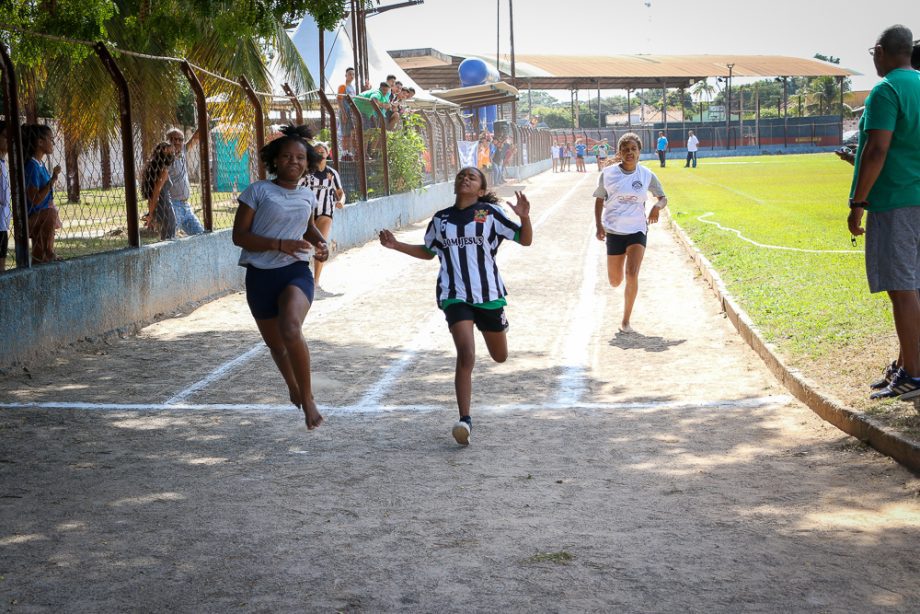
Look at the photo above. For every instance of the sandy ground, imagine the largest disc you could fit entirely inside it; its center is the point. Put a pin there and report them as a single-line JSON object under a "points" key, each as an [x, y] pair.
{"points": [[661, 471]]}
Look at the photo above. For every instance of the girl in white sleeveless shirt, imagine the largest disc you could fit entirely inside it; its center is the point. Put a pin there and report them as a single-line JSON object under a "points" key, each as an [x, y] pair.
{"points": [[620, 218]]}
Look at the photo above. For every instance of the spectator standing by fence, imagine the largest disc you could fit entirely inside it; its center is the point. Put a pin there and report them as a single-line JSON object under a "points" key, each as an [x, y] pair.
{"points": [[886, 184], [327, 188], [155, 187], [347, 121], [662, 148], [382, 96], [180, 189], [43, 215], [6, 209], [693, 145]]}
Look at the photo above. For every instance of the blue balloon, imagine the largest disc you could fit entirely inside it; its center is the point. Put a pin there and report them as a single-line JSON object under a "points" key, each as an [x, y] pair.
{"points": [[473, 71]]}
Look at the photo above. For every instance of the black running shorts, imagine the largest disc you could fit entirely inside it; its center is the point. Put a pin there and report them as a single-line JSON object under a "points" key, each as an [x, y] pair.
{"points": [[486, 320], [617, 244]]}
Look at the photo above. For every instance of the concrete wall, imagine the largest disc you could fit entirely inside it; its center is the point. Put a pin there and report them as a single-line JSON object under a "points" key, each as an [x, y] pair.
{"points": [[57, 304]]}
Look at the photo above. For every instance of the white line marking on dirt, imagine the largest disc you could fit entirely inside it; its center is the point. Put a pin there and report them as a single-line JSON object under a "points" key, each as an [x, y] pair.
{"points": [[575, 355], [398, 366], [748, 403], [214, 375], [779, 247]]}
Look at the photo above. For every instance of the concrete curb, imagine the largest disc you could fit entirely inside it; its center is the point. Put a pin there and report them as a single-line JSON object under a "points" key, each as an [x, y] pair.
{"points": [[886, 441]]}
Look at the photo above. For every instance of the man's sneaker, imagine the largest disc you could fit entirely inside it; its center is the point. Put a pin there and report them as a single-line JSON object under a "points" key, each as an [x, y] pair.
{"points": [[902, 386], [461, 430], [883, 382]]}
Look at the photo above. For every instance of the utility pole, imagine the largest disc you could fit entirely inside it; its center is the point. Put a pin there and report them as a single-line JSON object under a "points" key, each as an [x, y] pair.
{"points": [[728, 107], [513, 72]]}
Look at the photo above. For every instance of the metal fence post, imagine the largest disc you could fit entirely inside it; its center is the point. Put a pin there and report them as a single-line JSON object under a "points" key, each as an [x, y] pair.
{"points": [[431, 152], [204, 144], [298, 110], [127, 142], [359, 155], [383, 146], [16, 162], [455, 149], [333, 129], [259, 121], [437, 117]]}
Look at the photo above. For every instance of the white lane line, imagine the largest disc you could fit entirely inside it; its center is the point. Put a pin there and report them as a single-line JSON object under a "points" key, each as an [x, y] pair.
{"points": [[575, 351], [398, 366], [779, 247], [745, 403], [215, 375], [427, 335]]}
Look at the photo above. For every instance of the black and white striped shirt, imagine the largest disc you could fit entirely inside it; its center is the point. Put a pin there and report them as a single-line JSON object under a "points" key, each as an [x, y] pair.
{"points": [[466, 241], [324, 184]]}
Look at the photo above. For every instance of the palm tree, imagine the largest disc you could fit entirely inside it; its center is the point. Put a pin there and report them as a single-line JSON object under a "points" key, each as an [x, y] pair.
{"points": [[703, 88], [824, 93], [232, 41]]}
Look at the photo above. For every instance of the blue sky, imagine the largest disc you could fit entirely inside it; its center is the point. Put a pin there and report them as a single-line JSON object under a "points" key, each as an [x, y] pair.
{"points": [[568, 27]]}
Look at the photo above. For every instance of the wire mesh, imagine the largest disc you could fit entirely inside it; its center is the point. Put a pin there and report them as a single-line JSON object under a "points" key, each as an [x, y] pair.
{"points": [[87, 211]]}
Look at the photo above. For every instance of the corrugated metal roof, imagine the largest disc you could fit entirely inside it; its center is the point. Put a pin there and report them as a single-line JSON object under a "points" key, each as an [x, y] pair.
{"points": [[679, 66], [630, 71]]}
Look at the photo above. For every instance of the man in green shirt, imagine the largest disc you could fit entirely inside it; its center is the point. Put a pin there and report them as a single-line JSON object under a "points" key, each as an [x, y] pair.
{"points": [[886, 184], [381, 95], [369, 116]]}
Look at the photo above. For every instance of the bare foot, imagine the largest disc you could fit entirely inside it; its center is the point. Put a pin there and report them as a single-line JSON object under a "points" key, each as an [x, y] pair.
{"points": [[311, 415], [626, 328], [295, 399]]}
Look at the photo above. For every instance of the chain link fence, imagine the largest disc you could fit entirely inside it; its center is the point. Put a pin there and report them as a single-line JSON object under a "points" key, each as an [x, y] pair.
{"points": [[135, 168]]}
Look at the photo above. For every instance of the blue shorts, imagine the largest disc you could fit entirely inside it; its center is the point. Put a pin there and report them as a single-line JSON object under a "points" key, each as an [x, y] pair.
{"points": [[617, 244], [264, 287]]}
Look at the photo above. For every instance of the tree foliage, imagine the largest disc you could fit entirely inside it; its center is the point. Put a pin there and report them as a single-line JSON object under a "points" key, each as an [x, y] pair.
{"points": [[227, 37]]}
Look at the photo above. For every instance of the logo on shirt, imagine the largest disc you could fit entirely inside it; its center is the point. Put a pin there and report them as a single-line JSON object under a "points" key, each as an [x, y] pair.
{"points": [[480, 216], [462, 241], [637, 185]]}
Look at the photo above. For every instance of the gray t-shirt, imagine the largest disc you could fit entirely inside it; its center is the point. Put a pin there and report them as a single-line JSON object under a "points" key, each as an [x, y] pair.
{"points": [[280, 214], [178, 175]]}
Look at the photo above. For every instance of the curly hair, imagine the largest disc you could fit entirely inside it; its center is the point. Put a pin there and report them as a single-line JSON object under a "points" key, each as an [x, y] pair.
{"points": [[161, 158], [297, 134], [488, 197], [629, 136]]}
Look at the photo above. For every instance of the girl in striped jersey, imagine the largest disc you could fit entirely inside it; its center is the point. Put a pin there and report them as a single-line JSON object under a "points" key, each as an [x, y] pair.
{"points": [[327, 187], [465, 238]]}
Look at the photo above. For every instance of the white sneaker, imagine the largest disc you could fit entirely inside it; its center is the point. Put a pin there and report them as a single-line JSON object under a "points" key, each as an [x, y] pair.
{"points": [[461, 433]]}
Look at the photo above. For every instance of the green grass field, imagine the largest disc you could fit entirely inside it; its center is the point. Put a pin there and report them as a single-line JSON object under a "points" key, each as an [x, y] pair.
{"points": [[815, 307], [809, 304]]}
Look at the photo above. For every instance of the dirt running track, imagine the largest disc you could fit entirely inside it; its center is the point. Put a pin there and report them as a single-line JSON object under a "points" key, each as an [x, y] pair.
{"points": [[664, 471]]}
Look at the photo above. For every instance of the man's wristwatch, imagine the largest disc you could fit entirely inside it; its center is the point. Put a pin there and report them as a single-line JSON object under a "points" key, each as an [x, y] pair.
{"points": [[858, 203]]}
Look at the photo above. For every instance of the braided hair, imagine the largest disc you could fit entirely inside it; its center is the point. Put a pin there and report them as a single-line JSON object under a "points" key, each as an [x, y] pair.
{"points": [[298, 134]]}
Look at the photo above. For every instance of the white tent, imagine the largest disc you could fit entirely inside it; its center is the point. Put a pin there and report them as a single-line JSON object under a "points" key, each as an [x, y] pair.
{"points": [[339, 55]]}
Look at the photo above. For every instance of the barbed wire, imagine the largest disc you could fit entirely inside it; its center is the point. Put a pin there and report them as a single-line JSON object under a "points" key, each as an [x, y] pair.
{"points": [[160, 58]]}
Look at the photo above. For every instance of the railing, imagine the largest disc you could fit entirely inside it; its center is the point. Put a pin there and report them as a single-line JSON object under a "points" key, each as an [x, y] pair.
{"points": [[107, 134]]}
